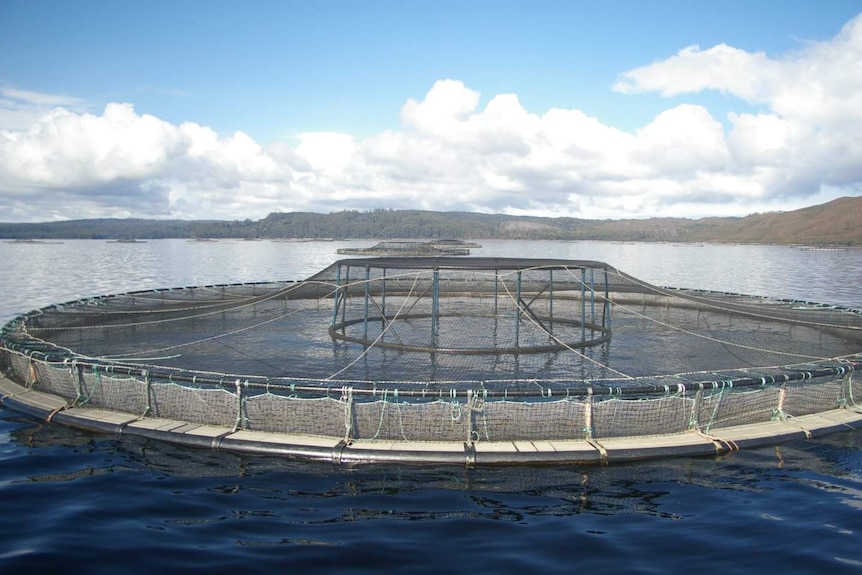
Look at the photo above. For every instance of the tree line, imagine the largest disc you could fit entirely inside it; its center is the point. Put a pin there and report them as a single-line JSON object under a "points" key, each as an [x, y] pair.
{"points": [[354, 224], [836, 222], [349, 224]]}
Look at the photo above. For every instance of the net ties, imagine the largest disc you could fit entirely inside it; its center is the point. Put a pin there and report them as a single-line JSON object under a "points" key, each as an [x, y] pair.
{"points": [[347, 399], [455, 405]]}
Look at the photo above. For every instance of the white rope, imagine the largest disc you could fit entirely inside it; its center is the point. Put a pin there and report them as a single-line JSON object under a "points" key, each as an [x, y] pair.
{"points": [[707, 337], [559, 341], [382, 331], [247, 302]]}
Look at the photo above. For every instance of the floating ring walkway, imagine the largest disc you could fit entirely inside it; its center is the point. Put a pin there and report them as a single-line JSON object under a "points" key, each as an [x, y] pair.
{"points": [[467, 361]]}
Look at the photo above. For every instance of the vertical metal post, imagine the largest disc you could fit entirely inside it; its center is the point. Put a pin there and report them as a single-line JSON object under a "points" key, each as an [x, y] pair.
{"points": [[367, 295], [606, 309], [518, 309], [383, 299], [551, 301], [435, 307], [345, 293], [337, 295], [238, 424], [583, 304], [592, 296], [496, 289]]}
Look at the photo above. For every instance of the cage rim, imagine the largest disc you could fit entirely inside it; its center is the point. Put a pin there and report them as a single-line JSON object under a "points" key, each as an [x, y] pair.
{"points": [[471, 263]]}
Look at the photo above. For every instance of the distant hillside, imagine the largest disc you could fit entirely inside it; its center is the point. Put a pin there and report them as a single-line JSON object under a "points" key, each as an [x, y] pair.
{"points": [[838, 222]]}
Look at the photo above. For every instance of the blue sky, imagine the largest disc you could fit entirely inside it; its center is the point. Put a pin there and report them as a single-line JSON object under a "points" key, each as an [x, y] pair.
{"points": [[224, 109]]}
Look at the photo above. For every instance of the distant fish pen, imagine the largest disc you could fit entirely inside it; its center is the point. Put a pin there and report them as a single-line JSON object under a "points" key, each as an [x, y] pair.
{"points": [[412, 249], [474, 361]]}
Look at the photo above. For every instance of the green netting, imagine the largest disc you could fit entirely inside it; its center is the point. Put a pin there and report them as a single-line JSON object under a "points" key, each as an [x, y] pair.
{"points": [[398, 420], [444, 350], [280, 413], [122, 393], [616, 417], [726, 407], [529, 420], [472, 418], [53, 378], [810, 397], [194, 404]]}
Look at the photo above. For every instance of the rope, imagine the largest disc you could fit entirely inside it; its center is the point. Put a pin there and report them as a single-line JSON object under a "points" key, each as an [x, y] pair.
{"points": [[383, 405], [240, 302], [559, 341], [213, 337], [248, 302], [720, 396], [222, 308], [714, 339], [729, 309], [347, 399], [720, 444], [382, 332]]}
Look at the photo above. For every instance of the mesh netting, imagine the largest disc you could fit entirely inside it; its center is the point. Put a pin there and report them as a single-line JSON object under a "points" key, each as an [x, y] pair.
{"points": [[444, 349]]}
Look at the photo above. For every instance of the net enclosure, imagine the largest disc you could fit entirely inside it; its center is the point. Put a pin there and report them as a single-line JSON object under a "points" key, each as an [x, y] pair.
{"points": [[418, 356]]}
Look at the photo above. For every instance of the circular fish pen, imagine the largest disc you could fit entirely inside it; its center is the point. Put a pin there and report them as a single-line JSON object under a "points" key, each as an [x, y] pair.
{"points": [[442, 360]]}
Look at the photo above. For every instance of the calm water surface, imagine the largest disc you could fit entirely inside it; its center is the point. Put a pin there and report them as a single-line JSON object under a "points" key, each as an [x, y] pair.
{"points": [[75, 502]]}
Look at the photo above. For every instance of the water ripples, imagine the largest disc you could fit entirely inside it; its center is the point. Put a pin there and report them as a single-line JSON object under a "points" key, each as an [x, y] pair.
{"points": [[74, 502]]}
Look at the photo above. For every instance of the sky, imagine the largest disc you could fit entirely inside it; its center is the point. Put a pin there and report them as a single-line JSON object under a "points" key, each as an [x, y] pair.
{"points": [[231, 110]]}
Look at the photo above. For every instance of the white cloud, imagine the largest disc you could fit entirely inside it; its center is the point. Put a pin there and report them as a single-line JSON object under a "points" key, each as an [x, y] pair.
{"points": [[762, 139], [683, 140], [453, 153], [326, 151], [10, 94], [721, 68], [19, 109], [443, 111], [63, 149]]}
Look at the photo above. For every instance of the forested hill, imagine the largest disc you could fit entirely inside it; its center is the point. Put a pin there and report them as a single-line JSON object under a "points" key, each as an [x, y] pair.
{"points": [[836, 222]]}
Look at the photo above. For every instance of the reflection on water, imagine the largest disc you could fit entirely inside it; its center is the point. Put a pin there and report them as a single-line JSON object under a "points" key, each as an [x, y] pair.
{"points": [[36, 275], [76, 502], [95, 500], [555, 490]]}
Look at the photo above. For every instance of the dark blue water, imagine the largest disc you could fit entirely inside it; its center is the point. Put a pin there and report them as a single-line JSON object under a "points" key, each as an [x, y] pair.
{"points": [[76, 502], [80, 503]]}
